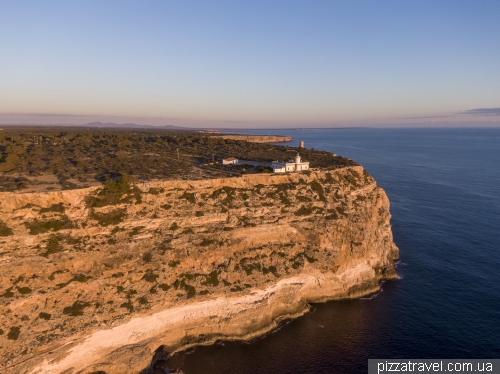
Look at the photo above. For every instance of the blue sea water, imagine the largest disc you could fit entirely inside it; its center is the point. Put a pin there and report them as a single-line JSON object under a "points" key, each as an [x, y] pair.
{"points": [[444, 188]]}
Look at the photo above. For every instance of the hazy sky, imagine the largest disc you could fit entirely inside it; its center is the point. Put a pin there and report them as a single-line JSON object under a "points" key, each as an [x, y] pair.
{"points": [[250, 63]]}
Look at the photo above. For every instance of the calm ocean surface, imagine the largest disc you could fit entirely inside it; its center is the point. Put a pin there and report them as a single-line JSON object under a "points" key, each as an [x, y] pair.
{"points": [[444, 188]]}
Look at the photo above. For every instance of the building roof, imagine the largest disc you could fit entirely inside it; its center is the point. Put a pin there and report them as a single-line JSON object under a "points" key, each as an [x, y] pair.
{"points": [[231, 159]]}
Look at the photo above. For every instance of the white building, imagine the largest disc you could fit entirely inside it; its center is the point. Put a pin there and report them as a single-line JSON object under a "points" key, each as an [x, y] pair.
{"points": [[290, 166], [230, 161]]}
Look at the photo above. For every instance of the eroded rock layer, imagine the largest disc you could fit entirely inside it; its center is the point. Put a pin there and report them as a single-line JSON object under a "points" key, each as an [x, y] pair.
{"points": [[95, 280]]}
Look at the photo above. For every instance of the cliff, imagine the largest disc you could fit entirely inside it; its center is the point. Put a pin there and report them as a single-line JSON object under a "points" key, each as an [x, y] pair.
{"points": [[257, 138], [91, 282]]}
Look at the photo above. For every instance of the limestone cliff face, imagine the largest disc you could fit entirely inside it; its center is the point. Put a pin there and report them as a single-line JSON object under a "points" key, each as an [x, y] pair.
{"points": [[258, 138], [100, 288]]}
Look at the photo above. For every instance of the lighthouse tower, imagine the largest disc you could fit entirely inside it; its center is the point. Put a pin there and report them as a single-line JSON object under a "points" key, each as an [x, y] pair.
{"points": [[298, 161]]}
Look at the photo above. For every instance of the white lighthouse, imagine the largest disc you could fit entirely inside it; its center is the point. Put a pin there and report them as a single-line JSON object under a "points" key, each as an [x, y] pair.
{"points": [[290, 166]]}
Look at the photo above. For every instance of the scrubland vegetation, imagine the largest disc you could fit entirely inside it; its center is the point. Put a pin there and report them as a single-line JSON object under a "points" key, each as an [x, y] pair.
{"points": [[77, 157]]}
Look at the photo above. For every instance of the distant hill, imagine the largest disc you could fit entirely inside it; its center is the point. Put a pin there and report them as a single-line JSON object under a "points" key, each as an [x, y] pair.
{"points": [[103, 125], [130, 126]]}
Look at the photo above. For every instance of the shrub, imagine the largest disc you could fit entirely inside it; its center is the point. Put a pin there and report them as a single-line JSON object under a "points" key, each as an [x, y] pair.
{"points": [[206, 242], [4, 229], [211, 279], [341, 210], [8, 293], [149, 276], [188, 196], [318, 188], [76, 309], [14, 333], [119, 192], [304, 211], [128, 305], [310, 259], [199, 214], [57, 208], [148, 257], [248, 266], [40, 227], [190, 290], [270, 269], [153, 191], [142, 300], [45, 316], [53, 245], [164, 287], [303, 199], [24, 290], [113, 217], [82, 278]]}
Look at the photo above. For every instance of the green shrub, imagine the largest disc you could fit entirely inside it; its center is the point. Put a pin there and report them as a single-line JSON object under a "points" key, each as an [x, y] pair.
{"points": [[4, 229], [329, 178], [135, 231], [57, 208], [45, 316], [40, 227], [53, 245], [318, 188], [303, 199], [8, 293], [128, 305], [76, 309], [248, 266], [111, 218], [24, 290], [304, 211], [207, 242], [270, 269], [148, 257], [142, 300], [211, 279], [341, 210], [164, 287], [310, 259], [14, 333], [149, 276], [189, 197], [119, 192], [82, 278]]}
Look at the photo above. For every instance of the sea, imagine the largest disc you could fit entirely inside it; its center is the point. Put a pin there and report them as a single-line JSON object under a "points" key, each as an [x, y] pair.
{"points": [[444, 189]]}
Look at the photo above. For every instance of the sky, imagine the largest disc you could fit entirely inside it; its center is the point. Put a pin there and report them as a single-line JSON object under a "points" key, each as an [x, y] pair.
{"points": [[251, 64]]}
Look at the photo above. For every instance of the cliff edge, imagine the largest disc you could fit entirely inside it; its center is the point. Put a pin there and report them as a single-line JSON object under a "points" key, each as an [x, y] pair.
{"points": [[96, 280]]}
